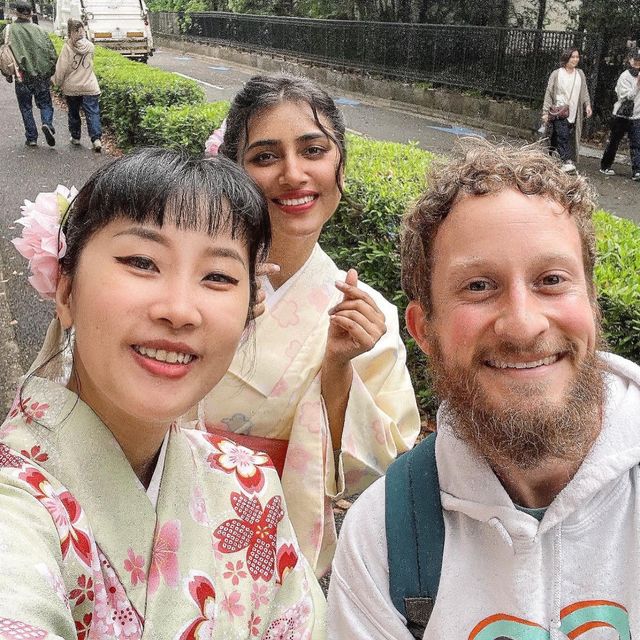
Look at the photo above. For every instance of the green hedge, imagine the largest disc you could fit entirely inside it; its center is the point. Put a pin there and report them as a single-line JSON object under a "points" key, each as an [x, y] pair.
{"points": [[130, 88], [182, 127]]}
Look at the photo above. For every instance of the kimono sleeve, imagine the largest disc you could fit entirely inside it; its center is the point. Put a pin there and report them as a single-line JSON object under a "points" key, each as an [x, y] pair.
{"points": [[382, 419], [32, 591]]}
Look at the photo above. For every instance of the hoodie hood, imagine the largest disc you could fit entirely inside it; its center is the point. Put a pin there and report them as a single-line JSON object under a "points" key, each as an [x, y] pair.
{"points": [[469, 485], [81, 46]]}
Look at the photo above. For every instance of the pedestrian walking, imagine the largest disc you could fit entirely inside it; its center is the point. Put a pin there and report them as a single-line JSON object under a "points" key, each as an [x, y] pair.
{"points": [[36, 60], [625, 119], [79, 85], [566, 100]]}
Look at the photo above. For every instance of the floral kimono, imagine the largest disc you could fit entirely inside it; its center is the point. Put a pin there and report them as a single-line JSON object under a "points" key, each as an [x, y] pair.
{"points": [[272, 390], [84, 554]]}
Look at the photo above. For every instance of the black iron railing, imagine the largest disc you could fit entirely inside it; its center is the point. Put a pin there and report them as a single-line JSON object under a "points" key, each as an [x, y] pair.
{"points": [[510, 62]]}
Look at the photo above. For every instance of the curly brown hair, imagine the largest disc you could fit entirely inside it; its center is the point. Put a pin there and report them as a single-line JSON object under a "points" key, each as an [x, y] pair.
{"points": [[483, 168]]}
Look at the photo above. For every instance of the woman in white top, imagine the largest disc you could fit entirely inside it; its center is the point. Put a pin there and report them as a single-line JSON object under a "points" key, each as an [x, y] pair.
{"points": [[567, 86]]}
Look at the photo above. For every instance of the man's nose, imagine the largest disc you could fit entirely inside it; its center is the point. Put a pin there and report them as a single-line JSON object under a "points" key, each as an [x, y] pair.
{"points": [[522, 315]]}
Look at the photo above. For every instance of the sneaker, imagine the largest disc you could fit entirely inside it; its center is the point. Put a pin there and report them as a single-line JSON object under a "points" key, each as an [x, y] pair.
{"points": [[31, 143], [608, 172], [75, 141], [97, 145], [568, 167], [636, 176], [48, 134]]}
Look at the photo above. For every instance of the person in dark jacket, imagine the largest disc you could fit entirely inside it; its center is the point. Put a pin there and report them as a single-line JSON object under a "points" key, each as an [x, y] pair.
{"points": [[36, 59]]}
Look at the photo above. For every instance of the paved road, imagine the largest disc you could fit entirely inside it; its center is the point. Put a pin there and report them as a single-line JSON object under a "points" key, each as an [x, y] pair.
{"points": [[222, 79], [26, 172]]}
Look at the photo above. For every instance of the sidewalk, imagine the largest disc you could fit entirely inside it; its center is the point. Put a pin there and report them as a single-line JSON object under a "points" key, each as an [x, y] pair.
{"points": [[26, 171]]}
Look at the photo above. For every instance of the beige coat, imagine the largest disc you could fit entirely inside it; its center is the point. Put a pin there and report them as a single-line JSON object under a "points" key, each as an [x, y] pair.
{"points": [[74, 69], [583, 102]]}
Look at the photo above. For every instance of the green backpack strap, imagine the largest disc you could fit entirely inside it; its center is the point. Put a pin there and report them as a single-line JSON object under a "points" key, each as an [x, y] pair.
{"points": [[415, 533]]}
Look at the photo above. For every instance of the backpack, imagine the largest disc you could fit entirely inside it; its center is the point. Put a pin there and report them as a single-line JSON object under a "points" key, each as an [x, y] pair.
{"points": [[8, 65], [414, 526]]}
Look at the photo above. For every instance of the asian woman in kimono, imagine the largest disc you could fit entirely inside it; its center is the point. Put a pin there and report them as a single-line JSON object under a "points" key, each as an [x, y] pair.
{"points": [[115, 523], [328, 385]]}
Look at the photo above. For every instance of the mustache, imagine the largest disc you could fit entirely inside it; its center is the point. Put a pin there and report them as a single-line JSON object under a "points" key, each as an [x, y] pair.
{"points": [[535, 350]]}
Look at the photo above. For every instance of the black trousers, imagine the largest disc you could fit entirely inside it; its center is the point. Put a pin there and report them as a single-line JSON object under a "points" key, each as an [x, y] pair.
{"points": [[620, 126], [561, 135]]}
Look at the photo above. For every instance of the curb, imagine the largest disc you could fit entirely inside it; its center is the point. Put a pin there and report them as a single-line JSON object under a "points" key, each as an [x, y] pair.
{"points": [[10, 370]]}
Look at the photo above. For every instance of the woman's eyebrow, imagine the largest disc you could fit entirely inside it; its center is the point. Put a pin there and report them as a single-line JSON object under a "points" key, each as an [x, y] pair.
{"points": [[145, 233], [305, 137]]}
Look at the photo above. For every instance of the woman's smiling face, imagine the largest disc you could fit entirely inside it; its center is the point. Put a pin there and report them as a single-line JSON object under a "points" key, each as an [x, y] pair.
{"points": [[158, 313], [294, 163]]}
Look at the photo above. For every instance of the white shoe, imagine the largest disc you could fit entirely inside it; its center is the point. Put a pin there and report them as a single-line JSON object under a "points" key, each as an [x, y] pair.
{"points": [[97, 145], [568, 167], [608, 172], [75, 141]]}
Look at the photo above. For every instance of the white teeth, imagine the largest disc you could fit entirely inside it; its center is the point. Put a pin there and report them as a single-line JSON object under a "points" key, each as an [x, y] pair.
{"points": [[499, 364], [164, 356], [296, 201]]}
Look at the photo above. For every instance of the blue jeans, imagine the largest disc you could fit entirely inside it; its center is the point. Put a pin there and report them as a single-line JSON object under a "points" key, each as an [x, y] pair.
{"points": [[561, 139], [38, 89], [91, 108]]}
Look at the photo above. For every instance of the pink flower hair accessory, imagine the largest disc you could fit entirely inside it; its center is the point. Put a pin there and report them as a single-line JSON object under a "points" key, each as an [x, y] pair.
{"points": [[42, 242], [212, 145]]}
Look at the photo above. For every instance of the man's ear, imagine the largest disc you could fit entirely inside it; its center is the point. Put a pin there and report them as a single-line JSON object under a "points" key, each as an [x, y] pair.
{"points": [[63, 301], [417, 325]]}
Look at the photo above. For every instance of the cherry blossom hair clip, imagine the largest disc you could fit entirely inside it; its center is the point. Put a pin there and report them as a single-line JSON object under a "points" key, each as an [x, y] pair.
{"points": [[43, 241], [212, 145]]}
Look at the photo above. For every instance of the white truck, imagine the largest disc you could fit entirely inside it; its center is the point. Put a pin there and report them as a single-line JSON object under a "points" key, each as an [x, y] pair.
{"points": [[121, 25]]}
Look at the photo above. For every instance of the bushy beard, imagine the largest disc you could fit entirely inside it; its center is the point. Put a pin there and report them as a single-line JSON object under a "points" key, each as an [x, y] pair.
{"points": [[526, 429]]}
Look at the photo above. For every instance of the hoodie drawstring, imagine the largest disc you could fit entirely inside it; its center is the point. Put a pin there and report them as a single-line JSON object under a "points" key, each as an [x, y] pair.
{"points": [[555, 622]]}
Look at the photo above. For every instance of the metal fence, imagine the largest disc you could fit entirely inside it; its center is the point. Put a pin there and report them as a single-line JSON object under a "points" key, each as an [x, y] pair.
{"points": [[510, 62]]}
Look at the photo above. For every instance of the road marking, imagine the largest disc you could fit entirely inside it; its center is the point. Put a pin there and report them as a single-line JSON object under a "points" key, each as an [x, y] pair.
{"points": [[219, 68], [358, 133], [347, 102], [460, 131], [182, 58], [207, 84]]}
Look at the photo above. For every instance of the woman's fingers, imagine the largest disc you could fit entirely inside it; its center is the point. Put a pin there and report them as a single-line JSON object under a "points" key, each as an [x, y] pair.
{"points": [[267, 269], [360, 337], [364, 307]]}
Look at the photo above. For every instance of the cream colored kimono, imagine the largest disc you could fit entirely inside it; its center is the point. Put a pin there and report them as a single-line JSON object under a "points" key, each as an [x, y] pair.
{"points": [[272, 390], [85, 555]]}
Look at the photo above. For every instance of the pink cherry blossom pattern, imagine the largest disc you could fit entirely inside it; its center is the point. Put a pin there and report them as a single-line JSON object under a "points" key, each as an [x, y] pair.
{"points": [[84, 590], [254, 622], [203, 594], [258, 595], [134, 565], [234, 572], [65, 512], [231, 605], [246, 464], [255, 530], [164, 559], [286, 313], [35, 454]]}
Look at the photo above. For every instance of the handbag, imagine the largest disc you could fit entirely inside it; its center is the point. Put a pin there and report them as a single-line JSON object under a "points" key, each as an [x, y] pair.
{"points": [[625, 110], [8, 65], [561, 111]]}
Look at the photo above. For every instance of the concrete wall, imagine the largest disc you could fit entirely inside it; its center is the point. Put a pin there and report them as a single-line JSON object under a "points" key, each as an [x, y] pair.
{"points": [[503, 117]]}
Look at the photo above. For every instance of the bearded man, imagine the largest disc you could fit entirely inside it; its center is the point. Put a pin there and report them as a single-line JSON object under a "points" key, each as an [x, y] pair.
{"points": [[538, 434]]}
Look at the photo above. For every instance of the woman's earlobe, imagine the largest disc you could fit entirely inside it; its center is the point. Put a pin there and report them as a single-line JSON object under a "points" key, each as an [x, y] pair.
{"points": [[63, 301]]}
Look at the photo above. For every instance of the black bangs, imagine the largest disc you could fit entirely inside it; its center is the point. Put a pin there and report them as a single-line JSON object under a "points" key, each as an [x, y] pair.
{"points": [[159, 186]]}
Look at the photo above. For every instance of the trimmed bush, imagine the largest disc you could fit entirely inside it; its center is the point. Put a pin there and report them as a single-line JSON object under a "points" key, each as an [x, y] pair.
{"points": [[618, 281], [183, 127], [129, 88]]}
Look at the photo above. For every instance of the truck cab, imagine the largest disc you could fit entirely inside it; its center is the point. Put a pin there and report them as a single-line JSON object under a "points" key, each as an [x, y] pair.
{"points": [[121, 25]]}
